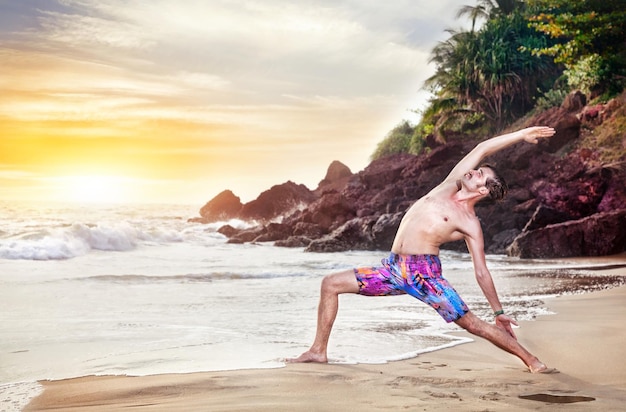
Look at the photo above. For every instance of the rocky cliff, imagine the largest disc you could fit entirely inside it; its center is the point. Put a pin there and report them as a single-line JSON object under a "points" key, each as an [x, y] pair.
{"points": [[567, 195]]}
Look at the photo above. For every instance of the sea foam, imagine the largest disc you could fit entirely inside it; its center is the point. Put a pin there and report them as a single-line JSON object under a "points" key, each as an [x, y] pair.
{"points": [[78, 239]]}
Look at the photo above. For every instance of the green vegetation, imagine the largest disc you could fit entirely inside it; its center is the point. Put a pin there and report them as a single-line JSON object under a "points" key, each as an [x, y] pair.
{"points": [[526, 55], [590, 42], [398, 140], [609, 139]]}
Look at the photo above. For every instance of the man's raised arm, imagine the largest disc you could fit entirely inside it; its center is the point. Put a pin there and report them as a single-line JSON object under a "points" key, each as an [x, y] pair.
{"points": [[495, 144]]}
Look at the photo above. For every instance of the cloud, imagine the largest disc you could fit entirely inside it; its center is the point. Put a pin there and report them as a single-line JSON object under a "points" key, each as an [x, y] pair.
{"points": [[256, 46], [253, 82]]}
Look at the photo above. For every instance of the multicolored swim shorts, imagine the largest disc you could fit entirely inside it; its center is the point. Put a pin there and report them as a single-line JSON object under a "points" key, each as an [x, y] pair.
{"points": [[415, 275]]}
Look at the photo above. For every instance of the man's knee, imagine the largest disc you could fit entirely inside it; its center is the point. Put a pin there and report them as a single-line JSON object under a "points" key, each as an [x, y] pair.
{"points": [[342, 282], [327, 283]]}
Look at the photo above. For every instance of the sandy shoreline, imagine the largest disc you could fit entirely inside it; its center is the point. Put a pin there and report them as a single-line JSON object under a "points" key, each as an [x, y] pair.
{"points": [[584, 340]]}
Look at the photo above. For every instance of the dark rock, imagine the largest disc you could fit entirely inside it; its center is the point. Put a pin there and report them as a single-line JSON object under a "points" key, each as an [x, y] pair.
{"points": [[353, 235], [228, 231], [328, 244], [614, 197], [593, 115], [501, 241], [550, 184], [528, 207], [613, 105], [384, 230], [222, 207], [544, 216], [277, 202], [385, 200], [457, 246], [330, 211], [380, 173], [247, 235], [310, 230], [519, 194], [574, 101], [274, 231], [597, 235], [294, 241], [574, 189], [336, 178]]}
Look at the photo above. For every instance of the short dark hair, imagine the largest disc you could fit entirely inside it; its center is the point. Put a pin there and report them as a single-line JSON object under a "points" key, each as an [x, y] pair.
{"points": [[497, 185]]}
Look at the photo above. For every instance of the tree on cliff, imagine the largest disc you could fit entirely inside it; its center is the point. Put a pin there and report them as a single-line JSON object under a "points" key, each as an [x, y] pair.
{"points": [[589, 41], [524, 53], [484, 72], [485, 78], [398, 140]]}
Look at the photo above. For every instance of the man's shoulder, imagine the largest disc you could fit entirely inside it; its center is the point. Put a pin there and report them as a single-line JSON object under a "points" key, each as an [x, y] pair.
{"points": [[471, 225]]}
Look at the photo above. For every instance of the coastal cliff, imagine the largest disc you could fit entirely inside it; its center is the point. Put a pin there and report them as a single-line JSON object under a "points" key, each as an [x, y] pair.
{"points": [[567, 195]]}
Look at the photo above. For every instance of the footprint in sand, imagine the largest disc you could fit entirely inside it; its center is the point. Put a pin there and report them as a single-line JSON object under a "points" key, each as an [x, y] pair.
{"points": [[492, 396], [429, 366]]}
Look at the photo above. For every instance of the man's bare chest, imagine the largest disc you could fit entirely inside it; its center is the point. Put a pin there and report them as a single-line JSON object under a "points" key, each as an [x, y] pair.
{"points": [[442, 215]]}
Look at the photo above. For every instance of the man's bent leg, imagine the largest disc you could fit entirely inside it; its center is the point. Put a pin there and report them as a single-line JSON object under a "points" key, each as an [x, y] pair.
{"points": [[332, 286], [501, 339]]}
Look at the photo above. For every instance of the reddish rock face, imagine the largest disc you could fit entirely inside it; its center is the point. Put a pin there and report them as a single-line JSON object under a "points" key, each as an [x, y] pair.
{"points": [[597, 235], [222, 207], [562, 201], [277, 202]]}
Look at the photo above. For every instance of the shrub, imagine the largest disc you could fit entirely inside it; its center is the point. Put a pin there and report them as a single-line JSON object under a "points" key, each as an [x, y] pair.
{"points": [[551, 98], [398, 140], [586, 74]]}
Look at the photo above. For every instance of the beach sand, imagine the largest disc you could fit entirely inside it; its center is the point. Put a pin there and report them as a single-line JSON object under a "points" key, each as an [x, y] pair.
{"points": [[585, 340]]}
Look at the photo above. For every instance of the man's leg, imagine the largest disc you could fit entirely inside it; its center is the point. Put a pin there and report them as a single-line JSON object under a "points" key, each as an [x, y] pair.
{"points": [[332, 286], [501, 339]]}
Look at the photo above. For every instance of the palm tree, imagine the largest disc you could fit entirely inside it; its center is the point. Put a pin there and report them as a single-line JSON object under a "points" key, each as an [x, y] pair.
{"points": [[453, 83], [484, 71]]}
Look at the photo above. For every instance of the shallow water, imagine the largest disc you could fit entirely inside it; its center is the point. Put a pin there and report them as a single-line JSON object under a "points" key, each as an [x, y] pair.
{"points": [[138, 290]]}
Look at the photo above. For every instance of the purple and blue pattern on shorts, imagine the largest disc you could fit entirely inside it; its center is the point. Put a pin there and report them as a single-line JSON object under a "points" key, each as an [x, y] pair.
{"points": [[415, 275]]}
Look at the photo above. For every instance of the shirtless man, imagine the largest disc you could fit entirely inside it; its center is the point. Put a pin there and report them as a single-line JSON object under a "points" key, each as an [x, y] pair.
{"points": [[445, 214]]}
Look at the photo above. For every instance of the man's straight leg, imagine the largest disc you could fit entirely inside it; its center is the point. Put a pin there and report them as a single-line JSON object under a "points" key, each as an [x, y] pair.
{"points": [[501, 339], [332, 286]]}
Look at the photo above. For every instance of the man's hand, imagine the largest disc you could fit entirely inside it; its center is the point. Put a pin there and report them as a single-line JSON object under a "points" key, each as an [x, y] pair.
{"points": [[533, 134], [504, 322]]}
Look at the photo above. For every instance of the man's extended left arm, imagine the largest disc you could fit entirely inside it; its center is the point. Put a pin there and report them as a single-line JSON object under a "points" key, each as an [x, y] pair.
{"points": [[475, 245], [495, 144]]}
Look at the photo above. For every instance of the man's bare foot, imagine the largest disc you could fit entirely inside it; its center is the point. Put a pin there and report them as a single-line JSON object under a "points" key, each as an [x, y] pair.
{"points": [[308, 357], [541, 368]]}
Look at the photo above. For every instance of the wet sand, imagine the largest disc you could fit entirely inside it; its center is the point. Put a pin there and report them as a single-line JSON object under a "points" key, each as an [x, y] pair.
{"points": [[584, 340]]}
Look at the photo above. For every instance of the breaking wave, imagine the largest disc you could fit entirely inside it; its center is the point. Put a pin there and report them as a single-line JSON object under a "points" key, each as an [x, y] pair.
{"points": [[79, 239]]}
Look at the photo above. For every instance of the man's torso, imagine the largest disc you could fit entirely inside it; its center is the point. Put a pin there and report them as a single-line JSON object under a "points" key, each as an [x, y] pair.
{"points": [[434, 219]]}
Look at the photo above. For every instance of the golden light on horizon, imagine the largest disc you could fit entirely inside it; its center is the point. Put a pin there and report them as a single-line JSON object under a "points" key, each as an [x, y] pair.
{"points": [[120, 102], [94, 189]]}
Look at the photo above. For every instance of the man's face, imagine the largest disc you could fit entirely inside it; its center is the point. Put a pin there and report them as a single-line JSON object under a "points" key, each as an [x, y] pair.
{"points": [[475, 180]]}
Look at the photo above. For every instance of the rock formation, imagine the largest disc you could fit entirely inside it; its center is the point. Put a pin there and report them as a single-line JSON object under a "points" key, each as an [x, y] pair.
{"points": [[224, 206], [563, 200]]}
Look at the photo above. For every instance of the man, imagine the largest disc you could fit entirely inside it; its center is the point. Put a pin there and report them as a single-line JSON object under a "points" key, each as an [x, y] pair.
{"points": [[445, 214]]}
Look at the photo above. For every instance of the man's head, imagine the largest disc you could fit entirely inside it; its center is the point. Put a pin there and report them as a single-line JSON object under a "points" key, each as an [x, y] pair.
{"points": [[495, 184]]}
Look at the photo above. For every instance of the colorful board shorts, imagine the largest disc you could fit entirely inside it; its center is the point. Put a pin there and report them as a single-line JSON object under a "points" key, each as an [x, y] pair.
{"points": [[415, 275]]}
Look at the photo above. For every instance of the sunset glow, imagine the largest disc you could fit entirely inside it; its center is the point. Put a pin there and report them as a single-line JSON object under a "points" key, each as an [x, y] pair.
{"points": [[95, 189], [133, 101]]}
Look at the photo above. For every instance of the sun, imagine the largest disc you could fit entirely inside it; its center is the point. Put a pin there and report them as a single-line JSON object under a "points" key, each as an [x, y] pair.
{"points": [[96, 189]]}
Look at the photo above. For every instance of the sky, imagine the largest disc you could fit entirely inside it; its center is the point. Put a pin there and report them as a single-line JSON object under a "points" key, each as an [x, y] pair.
{"points": [[169, 101]]}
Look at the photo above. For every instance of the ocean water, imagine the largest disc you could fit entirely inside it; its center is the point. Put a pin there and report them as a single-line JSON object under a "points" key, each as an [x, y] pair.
{"points": [[137, 290]]}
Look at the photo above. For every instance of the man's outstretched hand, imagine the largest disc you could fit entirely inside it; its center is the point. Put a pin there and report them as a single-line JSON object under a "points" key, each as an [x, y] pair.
{"points": [[533, 134], [504, 322]]}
